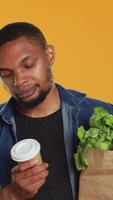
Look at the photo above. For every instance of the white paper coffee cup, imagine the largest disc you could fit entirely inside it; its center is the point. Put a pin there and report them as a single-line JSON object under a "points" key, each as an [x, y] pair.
{"points": [[25, 150]]}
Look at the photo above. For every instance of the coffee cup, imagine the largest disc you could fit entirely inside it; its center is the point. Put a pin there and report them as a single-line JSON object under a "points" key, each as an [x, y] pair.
{"points": [[27, 149]]}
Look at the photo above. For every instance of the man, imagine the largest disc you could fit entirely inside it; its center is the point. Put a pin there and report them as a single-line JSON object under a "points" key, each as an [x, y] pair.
{"points": [[42, 110]]}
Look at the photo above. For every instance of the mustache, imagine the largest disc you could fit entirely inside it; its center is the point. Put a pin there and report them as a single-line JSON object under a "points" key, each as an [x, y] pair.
{"points": [[22, 90], [25, 88]]}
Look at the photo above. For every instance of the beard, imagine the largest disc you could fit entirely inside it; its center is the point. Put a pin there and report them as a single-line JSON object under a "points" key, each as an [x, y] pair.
{"points": [[42, 94]]}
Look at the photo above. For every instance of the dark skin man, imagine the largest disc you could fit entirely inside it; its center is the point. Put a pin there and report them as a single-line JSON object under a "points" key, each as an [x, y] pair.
{"points": [[25, 69]]}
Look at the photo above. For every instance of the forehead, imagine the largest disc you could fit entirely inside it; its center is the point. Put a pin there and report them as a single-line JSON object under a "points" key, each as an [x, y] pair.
{"points": [[17, 49]]}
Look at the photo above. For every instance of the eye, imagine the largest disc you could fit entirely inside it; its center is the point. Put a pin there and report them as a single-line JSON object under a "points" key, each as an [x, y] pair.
{"points": [[31, 63], [28, 66], [5, 74]]}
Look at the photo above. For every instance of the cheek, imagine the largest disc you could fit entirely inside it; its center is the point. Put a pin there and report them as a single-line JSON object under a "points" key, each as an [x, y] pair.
{"points": [[41, 73]]}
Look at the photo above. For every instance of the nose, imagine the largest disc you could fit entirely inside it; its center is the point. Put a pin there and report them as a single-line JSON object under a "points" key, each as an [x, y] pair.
{"points": [[19, 79]]}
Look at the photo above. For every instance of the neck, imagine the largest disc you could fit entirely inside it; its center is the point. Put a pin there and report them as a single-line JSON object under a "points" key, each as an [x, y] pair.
{"points": [[50, 105]]}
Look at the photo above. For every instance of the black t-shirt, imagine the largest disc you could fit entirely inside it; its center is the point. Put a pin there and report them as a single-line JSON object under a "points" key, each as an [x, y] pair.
{"points": [[49, 132]]}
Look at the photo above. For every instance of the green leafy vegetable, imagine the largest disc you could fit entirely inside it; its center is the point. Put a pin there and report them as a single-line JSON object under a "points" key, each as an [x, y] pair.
{"points": [[99, 135]]}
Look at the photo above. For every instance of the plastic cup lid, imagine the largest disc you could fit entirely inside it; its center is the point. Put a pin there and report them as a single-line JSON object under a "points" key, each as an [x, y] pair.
{"points": [[25, 150]]}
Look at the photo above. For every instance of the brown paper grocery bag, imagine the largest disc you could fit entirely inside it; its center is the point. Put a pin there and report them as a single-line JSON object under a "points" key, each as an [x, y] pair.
{"points": [[96, 182]]}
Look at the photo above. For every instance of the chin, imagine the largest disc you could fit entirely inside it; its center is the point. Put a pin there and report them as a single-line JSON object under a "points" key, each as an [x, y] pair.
{"points": [[33, 102]]}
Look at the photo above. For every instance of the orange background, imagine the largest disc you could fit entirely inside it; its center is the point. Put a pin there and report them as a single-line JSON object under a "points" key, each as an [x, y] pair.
{"points": [[82, 33]]}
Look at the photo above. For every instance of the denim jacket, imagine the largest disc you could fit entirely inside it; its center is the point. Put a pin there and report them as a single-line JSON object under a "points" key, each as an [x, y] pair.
{"points": [[76, 111]]}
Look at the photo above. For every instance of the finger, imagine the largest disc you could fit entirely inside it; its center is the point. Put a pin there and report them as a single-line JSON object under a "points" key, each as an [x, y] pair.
{"points": [[34, 171], [33, 188], [23, 181], [35, 179], [15, 169], [28, 184], [37, 186], [28, 164], [30, 172]]}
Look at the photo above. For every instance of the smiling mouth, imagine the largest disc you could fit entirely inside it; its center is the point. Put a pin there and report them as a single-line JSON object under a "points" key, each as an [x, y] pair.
{"points": [[26, 93]]}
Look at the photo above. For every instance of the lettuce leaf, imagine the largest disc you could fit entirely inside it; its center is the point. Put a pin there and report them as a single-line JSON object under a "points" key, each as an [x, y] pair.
{"points": [[99, 135]]}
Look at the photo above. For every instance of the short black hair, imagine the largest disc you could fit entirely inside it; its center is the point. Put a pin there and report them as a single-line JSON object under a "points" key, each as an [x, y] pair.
{"points": [[16, 30]]}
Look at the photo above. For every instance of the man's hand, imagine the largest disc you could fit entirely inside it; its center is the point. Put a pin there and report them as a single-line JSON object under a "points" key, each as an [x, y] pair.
{"points": [[27, 179]]}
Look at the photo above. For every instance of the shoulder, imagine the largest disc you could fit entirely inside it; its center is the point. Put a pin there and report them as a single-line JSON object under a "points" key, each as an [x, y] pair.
{"points": [[76, 93], [2, 106], [81, 100], [5, 107], [91, 103], [85, 105], [86, 109], [1, 112]]}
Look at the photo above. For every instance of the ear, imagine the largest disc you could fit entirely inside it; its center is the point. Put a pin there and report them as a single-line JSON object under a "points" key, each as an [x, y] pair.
{"points": [[50, 52]]}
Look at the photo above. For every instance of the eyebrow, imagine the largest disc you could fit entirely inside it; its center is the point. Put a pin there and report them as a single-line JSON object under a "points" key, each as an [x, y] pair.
{"points": [[25, 58], [22, 61], [4, 69]]}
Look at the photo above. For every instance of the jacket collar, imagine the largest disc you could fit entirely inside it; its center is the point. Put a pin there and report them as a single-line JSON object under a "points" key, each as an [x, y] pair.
{"points": [[70, 97], [6, 111]]}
